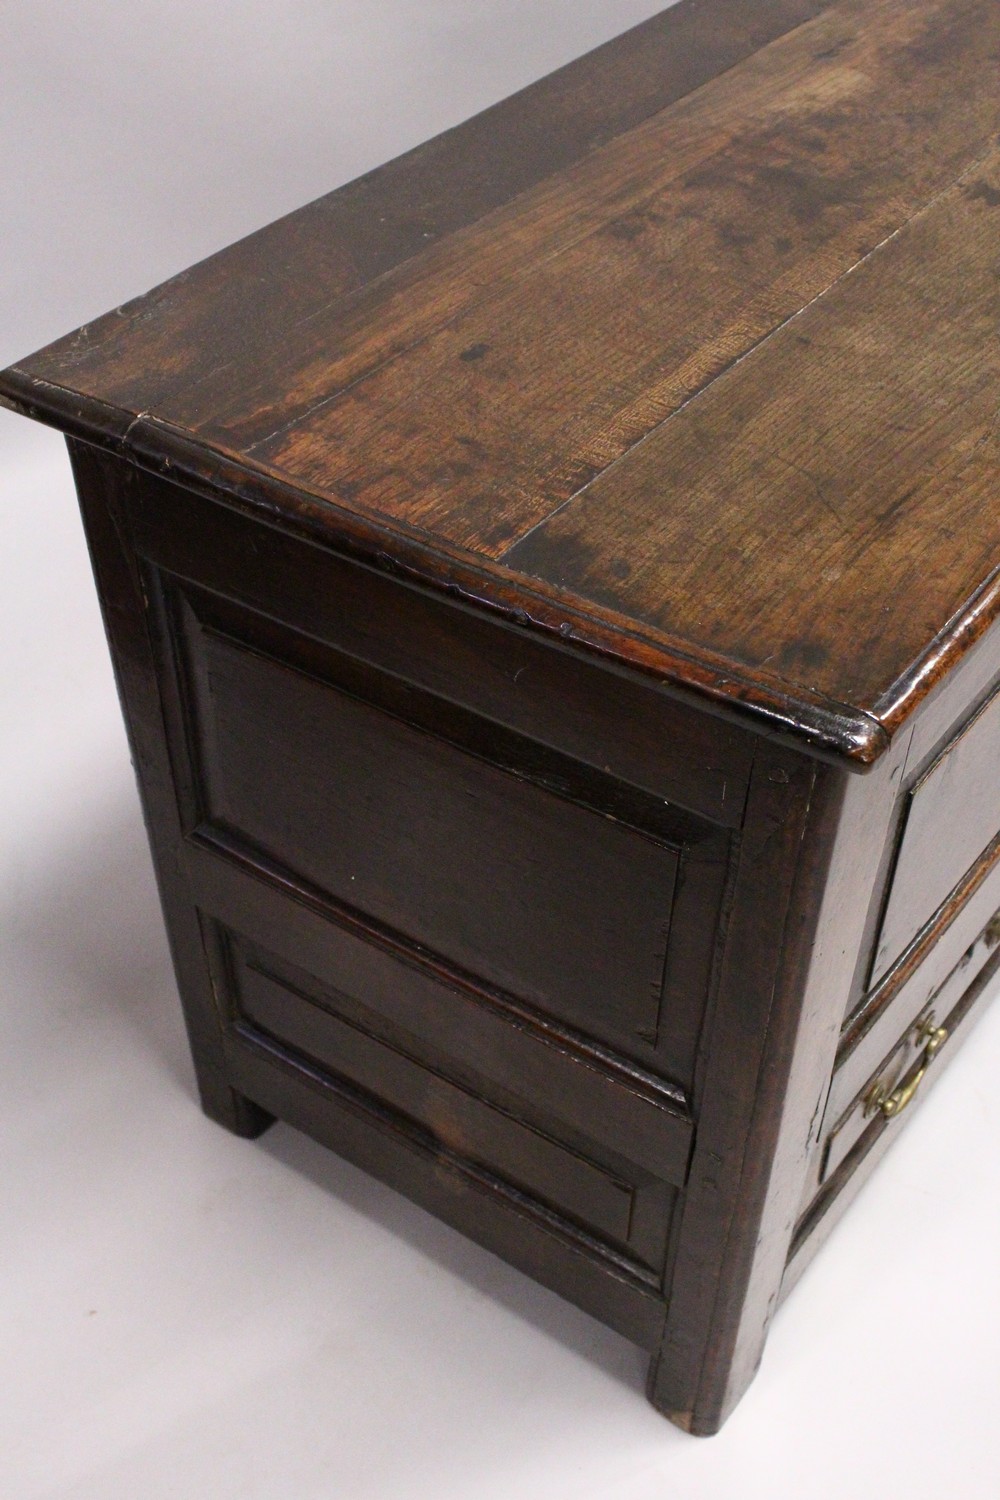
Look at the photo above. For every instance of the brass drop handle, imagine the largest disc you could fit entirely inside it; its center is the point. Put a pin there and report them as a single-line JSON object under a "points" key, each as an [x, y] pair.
{"points": [[891, 1105]]}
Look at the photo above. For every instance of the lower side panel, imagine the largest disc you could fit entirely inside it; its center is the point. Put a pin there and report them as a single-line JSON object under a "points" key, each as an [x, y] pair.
{"points": [[371, 1138]]}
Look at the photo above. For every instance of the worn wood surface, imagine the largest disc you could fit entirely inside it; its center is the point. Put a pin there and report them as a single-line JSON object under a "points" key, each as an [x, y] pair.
{"points": [[820, 474], [695, 341], [265, 291]]}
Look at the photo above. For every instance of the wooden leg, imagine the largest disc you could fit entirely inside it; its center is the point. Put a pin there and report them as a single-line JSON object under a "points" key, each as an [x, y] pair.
{"points": [[660, 1399], [102, 485], [234, 1111], [700, 1421]]}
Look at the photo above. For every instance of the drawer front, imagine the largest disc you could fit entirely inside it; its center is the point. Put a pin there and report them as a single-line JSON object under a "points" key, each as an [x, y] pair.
{"points": [[905, 1069], [860, 1138], [953, 815], [893, 1006]]}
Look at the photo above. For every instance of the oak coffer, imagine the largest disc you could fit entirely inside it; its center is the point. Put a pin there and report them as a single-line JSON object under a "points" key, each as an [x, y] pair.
{"points": [[553, 587]]}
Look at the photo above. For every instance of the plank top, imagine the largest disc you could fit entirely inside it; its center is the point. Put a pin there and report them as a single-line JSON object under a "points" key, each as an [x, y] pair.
{"points": [[686, 355]]}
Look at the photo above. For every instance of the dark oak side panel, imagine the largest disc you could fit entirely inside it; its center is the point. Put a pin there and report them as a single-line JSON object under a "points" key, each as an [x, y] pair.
{"points": [[475, 863], [345, 649], [568, 1174], [576, 1186]]}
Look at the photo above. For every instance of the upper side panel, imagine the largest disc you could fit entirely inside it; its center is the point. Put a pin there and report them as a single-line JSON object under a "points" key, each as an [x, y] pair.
{"points": [[376, 757]]}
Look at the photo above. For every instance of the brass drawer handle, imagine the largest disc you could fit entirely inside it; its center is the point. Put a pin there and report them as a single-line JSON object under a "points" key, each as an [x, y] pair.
{"points": [[891, 1105]]}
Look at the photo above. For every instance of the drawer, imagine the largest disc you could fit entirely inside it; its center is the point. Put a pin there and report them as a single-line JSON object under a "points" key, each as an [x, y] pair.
{"points": [[447, 1101], [894, 1005], [860, 1137], [889, 1091], [892, 1088], [952, 816]]}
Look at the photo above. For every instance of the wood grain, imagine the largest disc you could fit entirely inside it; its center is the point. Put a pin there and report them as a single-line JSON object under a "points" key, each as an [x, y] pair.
{"points": [[485, 385], [489, 861], [830, 505], [578, 1090]]}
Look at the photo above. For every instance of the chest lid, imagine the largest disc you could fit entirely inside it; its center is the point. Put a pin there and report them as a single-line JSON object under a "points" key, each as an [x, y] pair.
{"points": [[686, 356]]}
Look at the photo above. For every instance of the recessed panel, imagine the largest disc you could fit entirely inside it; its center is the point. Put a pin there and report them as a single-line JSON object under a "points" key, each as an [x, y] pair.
{"points": [[547, 899], [459, 1120]]}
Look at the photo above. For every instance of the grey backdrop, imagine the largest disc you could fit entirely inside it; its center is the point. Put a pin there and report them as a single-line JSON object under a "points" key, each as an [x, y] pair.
{"points": [[183, 1314]]}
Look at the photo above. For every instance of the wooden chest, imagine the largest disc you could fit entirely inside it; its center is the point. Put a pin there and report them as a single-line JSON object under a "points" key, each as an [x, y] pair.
{"points": [[552, 583]]}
